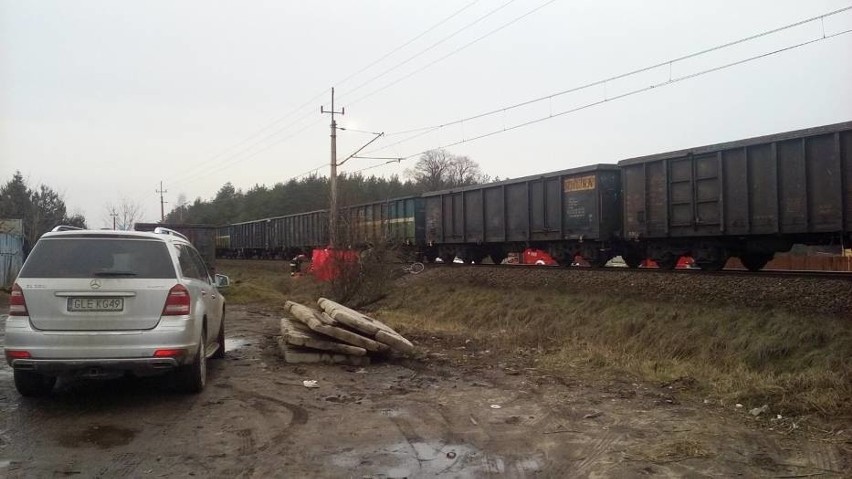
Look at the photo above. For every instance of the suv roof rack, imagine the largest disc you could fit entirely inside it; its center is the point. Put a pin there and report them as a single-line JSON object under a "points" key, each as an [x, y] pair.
{"points": [[66, 228], [166, 231]]}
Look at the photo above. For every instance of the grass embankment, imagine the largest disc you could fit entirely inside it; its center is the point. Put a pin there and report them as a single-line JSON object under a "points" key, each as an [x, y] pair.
{"points": [[266, 282], [797, 364]]}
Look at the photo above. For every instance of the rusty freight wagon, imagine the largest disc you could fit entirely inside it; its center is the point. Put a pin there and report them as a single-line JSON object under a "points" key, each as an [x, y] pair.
{"points": [[566, 213], [249, 239], [276, 237], [203, 237], [398, 222], [300, 233], [747, 199]]}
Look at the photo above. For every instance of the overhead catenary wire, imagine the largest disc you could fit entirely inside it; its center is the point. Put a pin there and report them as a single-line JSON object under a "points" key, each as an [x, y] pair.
{"points": [[229, 152], [417, 132], [262, 130], [609, 99], [204, 174], [604, 81], [457, 50], [425, 50], [409, 42]]}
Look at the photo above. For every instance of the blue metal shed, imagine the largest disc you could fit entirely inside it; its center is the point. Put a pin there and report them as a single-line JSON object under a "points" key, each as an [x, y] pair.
{"points": [[11, 250]]}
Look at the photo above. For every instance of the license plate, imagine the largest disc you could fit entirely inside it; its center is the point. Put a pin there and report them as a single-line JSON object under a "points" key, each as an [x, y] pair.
{"points": [[95, 304]]}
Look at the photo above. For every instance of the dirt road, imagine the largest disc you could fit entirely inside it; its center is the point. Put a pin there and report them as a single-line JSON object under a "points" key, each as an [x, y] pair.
{"points": [[431, 417]]}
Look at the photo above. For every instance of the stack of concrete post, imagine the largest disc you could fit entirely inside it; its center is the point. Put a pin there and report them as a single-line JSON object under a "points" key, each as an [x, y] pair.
{"points": [[336, 334]]}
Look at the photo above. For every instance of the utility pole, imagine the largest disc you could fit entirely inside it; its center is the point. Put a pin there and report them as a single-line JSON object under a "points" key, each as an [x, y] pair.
{"points": [[114, 216], [332, 223], [162, 203]]}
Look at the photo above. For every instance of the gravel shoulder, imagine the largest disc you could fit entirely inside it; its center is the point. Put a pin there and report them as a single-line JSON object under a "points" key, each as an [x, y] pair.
{"points": [[454, 412]]}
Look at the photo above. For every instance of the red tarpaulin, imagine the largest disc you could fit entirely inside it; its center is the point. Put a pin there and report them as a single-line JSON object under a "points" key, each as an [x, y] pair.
{"points": [[537, 256], [327, 264]]}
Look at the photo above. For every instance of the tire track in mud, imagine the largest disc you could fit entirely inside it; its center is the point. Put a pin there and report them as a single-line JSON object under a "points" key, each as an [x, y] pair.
{"points": [[820, 457], [246, 445], [599, 447], [120, 465], [268, 407]]}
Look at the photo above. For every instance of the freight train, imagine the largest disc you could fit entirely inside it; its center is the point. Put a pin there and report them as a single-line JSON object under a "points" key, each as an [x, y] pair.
{"points": [[748, 199]]}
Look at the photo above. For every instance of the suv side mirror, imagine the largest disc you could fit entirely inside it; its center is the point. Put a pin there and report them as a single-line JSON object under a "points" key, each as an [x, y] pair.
{"points": [[222, 281]]}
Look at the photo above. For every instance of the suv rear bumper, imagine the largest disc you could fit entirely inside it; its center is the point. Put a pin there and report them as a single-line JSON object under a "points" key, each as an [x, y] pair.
{"points": [[57, 352], [96, 367]]}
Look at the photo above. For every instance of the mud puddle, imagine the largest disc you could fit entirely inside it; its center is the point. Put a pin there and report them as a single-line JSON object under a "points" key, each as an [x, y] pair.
{"points": [[103, 437]]}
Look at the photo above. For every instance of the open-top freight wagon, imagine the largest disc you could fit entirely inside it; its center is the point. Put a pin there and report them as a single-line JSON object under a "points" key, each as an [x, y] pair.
{"points": [[398, 222], [747, 199], [276, 237], [203, 237], [566, 213]]}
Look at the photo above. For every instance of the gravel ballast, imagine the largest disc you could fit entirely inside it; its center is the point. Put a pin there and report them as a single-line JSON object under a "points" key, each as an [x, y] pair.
{"points": [[800, 295]]}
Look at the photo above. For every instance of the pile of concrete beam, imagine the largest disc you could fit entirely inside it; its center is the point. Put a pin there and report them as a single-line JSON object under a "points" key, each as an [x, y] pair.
{"points": [[336, 334]]}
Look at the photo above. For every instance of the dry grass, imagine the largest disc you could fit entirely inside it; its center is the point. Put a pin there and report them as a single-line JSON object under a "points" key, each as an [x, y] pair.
{"points": [[797, 364], [266, 282]]}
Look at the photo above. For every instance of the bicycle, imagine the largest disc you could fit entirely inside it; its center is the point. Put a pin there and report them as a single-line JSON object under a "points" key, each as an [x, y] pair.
{"points": [[414, 268]]}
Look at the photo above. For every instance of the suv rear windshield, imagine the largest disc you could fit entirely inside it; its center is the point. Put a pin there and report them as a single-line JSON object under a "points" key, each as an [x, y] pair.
{"points": [[98, 258]]}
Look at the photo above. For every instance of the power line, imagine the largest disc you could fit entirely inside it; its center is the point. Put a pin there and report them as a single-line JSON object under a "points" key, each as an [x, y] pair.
{"points": [[618, 97], [430, 47], [610, 79], [463, 47], [262, 130], [188, 172], [312, 170], [223, 166], [409, 42]]}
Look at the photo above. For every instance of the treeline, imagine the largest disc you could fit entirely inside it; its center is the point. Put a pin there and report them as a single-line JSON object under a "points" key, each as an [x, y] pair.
{"points": [[41, 208], [434, 170], [231, 205]]}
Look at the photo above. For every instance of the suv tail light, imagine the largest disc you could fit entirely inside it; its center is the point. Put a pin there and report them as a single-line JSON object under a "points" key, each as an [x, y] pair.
{"points": [[17, 354], [17, 303], [177, 303]]}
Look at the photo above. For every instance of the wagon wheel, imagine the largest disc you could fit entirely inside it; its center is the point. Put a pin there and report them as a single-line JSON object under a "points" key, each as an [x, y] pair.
{"points": [[756, 261], [668, 261], [597, 261], [712, 265], [632, 260]]}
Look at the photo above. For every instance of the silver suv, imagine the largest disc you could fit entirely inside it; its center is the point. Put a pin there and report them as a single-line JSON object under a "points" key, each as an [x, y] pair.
{"points": [[106, 303]]}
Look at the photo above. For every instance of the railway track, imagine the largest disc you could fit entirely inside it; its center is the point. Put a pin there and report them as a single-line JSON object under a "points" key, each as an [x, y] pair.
{"points": [[767, 273]]}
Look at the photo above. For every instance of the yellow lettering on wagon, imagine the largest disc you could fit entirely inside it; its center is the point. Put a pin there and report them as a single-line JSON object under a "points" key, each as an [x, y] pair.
{"points": [[581, 183]]}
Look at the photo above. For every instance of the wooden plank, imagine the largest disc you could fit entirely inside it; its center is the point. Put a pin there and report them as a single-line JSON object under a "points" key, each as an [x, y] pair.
{"points": [[353, 318], [297, 334], [314, 320], [295, 355], [395, 341], [374, 328]]}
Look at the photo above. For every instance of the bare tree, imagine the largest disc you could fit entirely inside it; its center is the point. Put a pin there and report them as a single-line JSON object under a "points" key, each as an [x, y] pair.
{"points": [[123, 215], [431, 169], [437, 169], [463, 172]]}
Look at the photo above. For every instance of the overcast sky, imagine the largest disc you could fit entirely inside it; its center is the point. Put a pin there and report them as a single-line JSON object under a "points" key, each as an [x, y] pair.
{"points": [[104, 99]]}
